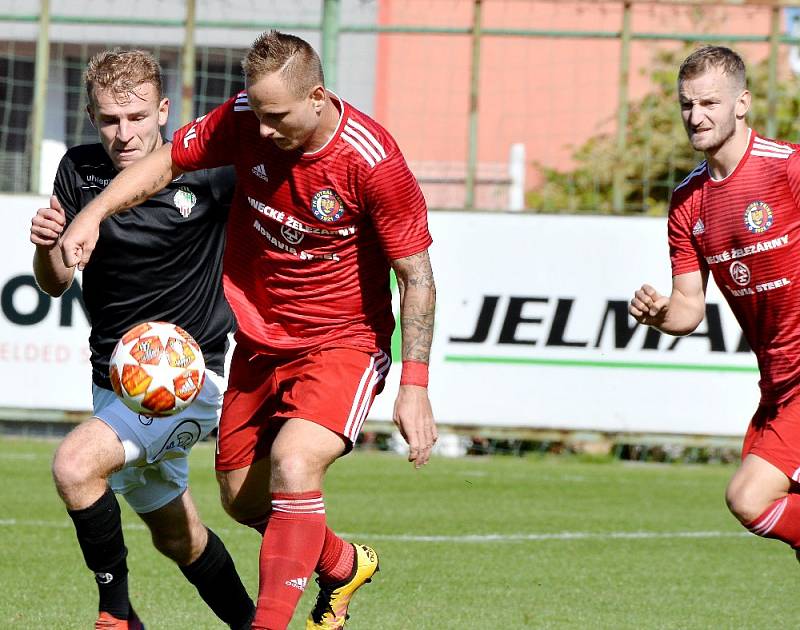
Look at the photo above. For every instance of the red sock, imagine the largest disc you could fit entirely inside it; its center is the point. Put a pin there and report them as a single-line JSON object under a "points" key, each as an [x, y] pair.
{"points": [[336, 560], [780, 520], [289, 552]]}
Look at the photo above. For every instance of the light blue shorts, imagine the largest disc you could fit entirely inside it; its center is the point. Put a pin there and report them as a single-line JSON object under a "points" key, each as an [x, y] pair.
{"points": [[156, 467]]}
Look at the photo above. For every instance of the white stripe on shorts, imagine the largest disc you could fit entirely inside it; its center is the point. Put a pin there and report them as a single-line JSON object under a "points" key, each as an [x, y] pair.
{"points": [[381, 369], [377, 369]]}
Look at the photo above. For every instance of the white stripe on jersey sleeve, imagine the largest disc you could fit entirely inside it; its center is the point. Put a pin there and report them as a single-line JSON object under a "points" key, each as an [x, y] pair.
{"points": [[358, 147], [241, 104], [770, 154], [368, 135], [357, 136], [766, 144]]}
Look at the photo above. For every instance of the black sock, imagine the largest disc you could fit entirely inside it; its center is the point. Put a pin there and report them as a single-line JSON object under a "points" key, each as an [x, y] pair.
{"points": [[215, 577], [99, 531]]}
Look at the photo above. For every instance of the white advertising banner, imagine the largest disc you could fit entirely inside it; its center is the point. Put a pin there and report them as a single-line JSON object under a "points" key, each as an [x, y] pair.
{"points": [[531, 331], [44, 347]]}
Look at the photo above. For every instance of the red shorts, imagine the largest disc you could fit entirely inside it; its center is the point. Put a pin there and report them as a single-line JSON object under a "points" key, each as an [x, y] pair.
{"points": [[332, 387], [774, 435]]}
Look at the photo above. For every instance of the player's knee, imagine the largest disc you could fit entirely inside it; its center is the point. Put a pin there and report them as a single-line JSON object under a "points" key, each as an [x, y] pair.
{"points": [[71, 468], [746, 501], [293, 470]]}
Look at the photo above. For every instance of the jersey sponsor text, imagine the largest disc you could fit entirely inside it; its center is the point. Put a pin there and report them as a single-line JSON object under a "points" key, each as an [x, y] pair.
{"points": [[741, 252]]}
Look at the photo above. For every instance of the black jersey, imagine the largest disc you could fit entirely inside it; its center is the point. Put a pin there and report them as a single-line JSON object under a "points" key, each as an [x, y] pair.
{"points": [[160, 261]]}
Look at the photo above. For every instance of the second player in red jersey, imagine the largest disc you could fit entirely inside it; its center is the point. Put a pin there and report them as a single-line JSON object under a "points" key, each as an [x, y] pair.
{"points": [[745, 230], [737, 217], [324, 207]]}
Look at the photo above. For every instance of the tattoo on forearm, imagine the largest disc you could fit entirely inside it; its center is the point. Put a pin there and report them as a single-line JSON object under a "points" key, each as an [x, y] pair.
{"points": [[417, 305], [144, 194]]}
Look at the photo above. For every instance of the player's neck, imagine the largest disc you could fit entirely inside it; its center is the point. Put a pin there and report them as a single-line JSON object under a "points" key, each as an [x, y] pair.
{"points": [[328, 122], [723, 161]]}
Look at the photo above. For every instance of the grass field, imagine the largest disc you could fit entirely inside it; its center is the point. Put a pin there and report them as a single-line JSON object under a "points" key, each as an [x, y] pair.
{"points": [[478, 543]]}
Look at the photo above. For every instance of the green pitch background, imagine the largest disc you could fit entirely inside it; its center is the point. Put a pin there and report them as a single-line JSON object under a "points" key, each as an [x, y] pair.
{"points": [[479, 543]]}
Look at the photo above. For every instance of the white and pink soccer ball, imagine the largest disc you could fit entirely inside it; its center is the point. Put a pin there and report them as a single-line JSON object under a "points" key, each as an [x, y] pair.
{"points": [[157, 369]]}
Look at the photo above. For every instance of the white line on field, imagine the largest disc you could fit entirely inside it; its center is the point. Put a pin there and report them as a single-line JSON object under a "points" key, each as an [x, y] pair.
{"points": [[467, 538], [16, 522], [22, 456], [493, 538]]}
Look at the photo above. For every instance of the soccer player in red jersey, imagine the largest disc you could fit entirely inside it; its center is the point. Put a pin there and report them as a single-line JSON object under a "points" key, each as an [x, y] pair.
{"points": [[737, 216], [324, 206]]}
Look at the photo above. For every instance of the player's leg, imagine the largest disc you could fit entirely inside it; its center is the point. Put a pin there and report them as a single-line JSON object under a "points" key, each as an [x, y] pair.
{"points": [[179, 534], [335, 388], [754, 487], [244, 438], [760, 494], [295, 533], [157, 490], [344, 567], [336, 385], [244, 494], [81, 467]]}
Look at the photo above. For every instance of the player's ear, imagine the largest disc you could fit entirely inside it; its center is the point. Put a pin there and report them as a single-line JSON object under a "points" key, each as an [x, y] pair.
{"points": [[317, 96], [743, 104], [90, 113], [163, 112]]}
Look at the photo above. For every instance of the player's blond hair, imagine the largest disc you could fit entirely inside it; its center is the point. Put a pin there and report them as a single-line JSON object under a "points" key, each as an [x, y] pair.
{"points": [[298, 63], [122, 72], [708, 57]]}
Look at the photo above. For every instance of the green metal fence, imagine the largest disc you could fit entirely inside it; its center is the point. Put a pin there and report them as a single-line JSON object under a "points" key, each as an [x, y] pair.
{"points": [[577, 182]]}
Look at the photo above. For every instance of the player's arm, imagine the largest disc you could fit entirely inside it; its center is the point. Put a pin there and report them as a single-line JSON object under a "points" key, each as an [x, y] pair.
{"points": [[681, 312], [52, 276], [137, 183], [412, 411]]}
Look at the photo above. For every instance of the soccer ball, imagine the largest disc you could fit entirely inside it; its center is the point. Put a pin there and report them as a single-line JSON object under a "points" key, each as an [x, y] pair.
{"points": [[157, 369]]}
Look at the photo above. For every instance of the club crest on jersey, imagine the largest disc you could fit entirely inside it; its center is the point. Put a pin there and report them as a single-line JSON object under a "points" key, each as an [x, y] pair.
{"points": [[758, 217], [327, 206], [184, 200]]}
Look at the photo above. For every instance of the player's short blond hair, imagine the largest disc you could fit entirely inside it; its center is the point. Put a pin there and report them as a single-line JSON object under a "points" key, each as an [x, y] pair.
{"points": [[708, 57], [298, 63], [122, 72]]}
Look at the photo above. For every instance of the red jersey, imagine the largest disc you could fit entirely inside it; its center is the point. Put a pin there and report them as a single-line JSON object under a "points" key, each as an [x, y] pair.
{"points": [[310, 235], [745, 229]]}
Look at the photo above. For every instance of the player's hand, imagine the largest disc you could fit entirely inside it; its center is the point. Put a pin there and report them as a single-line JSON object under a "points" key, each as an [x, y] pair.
{"points": [[648, 306], [77, 243], [413, 417], [48, 224]]}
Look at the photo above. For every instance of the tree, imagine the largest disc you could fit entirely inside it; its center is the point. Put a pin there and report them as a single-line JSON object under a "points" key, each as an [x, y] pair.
{"points": [[657, 155]]}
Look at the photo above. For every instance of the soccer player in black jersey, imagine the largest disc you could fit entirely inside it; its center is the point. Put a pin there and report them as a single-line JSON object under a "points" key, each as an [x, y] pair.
{"points": [[160, 261]]}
